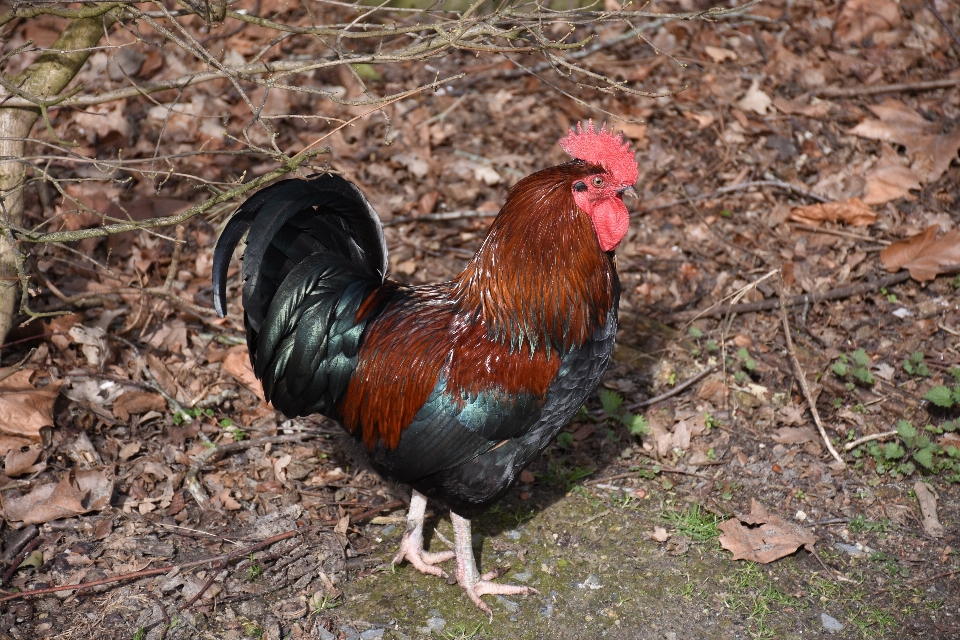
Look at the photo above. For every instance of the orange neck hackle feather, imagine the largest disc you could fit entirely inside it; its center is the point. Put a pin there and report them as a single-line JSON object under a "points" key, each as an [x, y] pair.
{"points": [[539, 286], [540, 276]]}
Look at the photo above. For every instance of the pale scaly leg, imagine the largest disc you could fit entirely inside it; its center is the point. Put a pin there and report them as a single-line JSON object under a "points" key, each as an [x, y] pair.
{"points": [[411, 546], [474, 584]]}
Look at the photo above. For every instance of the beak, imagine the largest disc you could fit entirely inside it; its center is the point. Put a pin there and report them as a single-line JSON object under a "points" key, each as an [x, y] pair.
{"points": [[630, 191]]}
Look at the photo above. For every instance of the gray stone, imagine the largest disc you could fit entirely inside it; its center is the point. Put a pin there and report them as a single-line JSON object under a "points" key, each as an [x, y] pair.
{"points": [[830, 623]]}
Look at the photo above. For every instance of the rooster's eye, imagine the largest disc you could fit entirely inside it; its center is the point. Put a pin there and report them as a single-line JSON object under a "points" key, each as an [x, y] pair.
{"points": [[598, 182], [579, 186]]}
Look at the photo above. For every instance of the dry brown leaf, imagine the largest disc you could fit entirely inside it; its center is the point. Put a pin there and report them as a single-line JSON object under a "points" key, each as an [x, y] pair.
{"points": [[772, 540], [226, 500], [923, 255], [818, 109], [852, 211], [91, 341], [25, 409], [928, 509], [940, 256], [903, 251], [718, 54], [137, 402], [703, 120], [634, 131], [105, 124], [889, 179], [932, 157], [77, 492], [931, 152], [9, 443], [755, 100], [237, 364], [862, 18], [659, 534], [22, 460]]}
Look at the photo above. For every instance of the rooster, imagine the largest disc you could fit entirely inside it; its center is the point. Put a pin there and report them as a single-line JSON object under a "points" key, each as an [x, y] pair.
{"points": [[450, 388]]}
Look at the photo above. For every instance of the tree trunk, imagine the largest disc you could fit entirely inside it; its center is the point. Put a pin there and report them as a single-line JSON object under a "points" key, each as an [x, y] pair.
{"points": [[45, 78]]}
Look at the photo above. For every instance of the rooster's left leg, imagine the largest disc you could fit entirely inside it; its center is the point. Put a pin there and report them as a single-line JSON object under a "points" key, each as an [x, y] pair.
{"points": [[468, 575], [411, 546]]}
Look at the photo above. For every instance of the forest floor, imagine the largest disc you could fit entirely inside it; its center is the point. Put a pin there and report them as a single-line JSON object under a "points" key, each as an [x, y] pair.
{"points": [[138, 452]]}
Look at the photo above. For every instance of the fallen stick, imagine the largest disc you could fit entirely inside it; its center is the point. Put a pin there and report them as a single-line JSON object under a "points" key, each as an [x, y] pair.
{"points": [[851, 92], [876, 436], [805, 298], [674, 391], [801, 377], [158, 570]]}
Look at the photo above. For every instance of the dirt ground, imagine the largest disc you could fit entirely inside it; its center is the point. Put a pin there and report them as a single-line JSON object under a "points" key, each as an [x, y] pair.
{"points": [[141, 456]]}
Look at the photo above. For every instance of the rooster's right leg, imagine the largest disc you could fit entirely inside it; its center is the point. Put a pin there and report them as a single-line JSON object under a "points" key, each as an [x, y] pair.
{"points": [[411, 546]]}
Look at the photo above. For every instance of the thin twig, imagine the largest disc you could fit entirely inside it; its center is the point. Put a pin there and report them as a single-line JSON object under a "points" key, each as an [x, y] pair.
{"points": [[776, 184], [438, 217], [945, 574], [799, 374], [675, 390], [161, 570], [805, 298], [27, 550], [206, 585], [875, 436], [956, 41], [838, 232], [900, 87]]}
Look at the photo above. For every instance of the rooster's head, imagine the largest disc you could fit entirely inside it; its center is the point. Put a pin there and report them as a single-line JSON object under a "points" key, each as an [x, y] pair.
{"points": [[600, 194]]}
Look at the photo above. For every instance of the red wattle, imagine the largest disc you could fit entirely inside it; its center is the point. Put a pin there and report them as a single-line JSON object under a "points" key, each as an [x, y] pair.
{"points": [[611, 222]]}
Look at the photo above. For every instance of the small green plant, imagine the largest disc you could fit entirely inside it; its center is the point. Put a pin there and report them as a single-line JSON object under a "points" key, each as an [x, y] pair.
{"points": [[645, 473], [251, 628], [873, 622], [186, 415], [254, 571], [756, 596], [943, 396], [860, 523], [320, 602], [565, 440], [694, 522], [856, 365], [915, 366], [913, 451], [612, 403], [747, 362], [140, 633]]}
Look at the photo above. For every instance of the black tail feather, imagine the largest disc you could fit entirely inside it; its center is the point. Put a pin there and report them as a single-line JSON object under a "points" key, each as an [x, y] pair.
{"points": [[292, 220], [315, 250]]}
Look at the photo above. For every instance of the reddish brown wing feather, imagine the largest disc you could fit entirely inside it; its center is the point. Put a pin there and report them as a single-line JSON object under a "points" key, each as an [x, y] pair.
{"points": [[539, 284], [400, 361]]}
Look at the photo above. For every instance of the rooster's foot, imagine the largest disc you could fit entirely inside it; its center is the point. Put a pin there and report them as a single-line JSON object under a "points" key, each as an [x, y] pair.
{"points": [[485, 587], [411, 546], [473, 584]]}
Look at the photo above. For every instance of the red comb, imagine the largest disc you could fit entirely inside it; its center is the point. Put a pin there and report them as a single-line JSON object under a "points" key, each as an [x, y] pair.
{"points": [[602, 148]]}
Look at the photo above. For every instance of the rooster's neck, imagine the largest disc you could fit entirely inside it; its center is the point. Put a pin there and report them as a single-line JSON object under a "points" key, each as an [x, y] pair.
{"points": [[540, 276]]}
